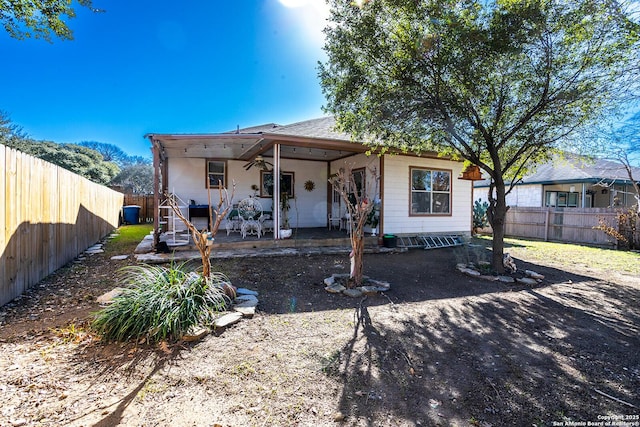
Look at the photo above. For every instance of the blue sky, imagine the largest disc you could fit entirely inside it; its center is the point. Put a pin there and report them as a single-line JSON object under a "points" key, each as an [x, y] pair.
{"points": [[160, 66]]}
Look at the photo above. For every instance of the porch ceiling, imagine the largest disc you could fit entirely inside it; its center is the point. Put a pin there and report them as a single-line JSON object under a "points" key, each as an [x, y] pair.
{"points": [[245, 147]]}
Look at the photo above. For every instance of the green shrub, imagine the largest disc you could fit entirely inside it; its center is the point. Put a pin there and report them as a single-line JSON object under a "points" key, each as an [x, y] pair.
{"points": [[161, 303]]}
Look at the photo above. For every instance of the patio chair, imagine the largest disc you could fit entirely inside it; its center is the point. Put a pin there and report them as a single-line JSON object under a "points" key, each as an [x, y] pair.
{"points": [[250, 211], [266, 221], [333, 221]]}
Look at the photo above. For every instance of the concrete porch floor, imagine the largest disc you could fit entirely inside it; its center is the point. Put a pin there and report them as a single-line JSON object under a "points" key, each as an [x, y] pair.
{"points": [[303, 241]]}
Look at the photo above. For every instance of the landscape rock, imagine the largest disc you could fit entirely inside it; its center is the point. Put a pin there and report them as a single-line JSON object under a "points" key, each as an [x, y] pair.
{"points": [[353, 293], [109, 296], [195, 334], [489, 278], [470, 272], [368, 290], [527, 281], [245, 291], [247, 303], [119, 257], [461, 267], [534, 275], [335, 288], [379, 285], [245, 311], [227, 319], [506, 279]]}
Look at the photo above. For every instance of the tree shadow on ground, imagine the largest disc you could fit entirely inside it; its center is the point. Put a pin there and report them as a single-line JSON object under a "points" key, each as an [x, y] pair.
{"points": [[532, 356], [136, 363]]}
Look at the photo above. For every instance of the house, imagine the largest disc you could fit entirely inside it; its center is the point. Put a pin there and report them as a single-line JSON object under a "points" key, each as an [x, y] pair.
{"points": [[417, 194], [570, 181]]}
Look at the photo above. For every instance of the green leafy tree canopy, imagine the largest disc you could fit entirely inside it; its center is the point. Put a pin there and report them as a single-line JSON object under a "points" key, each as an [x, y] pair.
{"points": [[78, 159], [498, 83], [39, 19]]}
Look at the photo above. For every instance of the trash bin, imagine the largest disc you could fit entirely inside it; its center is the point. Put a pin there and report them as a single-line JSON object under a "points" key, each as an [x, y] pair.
{"points": [[389, 241], [131, 214]]}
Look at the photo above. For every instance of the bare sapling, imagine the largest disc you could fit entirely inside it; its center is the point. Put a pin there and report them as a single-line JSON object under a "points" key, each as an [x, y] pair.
{"points": [[203, 239], [359, 199]]}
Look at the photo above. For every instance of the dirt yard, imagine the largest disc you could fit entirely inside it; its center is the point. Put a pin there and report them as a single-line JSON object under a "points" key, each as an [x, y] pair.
{"points": [[438, 349]]}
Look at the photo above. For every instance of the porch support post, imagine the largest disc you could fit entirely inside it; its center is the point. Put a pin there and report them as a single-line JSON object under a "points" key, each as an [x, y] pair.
{"points": [[156, 189], [276, 192], [584, 195]]}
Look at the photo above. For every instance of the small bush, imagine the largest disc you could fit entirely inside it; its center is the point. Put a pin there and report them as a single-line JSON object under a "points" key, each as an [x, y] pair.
{"points": [[161, 303], [480, 219]]}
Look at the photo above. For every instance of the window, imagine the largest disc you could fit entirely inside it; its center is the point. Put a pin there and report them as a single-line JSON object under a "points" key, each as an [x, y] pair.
{"points": [[430, 191], [216, 173], [266, 183], [561, 199]]}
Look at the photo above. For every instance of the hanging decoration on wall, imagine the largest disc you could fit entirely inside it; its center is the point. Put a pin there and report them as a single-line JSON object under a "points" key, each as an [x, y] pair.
{"points": [[309, 185]]}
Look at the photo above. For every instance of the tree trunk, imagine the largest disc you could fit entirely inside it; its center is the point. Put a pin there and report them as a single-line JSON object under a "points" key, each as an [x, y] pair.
{"points": [[497, 214], [357, 255]]}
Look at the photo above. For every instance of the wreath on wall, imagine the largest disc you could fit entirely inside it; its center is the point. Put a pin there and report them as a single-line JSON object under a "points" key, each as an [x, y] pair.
{"points": [[309, 185]]}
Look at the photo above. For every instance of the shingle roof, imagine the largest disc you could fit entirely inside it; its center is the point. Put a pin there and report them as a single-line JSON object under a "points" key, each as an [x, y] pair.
{"points": [[267, 127], [322, 128], [574, 168]]}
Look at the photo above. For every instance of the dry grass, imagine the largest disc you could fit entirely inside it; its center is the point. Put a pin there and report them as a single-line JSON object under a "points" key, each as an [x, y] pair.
{"points": [[571, 256]]}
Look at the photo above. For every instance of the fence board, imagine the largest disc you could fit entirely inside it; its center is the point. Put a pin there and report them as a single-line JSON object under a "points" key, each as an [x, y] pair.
{"points": [[146, 203], [3, 216], [575, 225], [50, 215]]}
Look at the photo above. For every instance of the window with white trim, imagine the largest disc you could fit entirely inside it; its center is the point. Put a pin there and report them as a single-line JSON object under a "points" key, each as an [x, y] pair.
{"points": [[561, 199], [430, 191], [216, 173]]}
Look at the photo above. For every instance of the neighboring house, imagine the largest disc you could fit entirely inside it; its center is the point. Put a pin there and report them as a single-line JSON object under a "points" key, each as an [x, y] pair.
{"points": [[572, 181], [417, 193]]}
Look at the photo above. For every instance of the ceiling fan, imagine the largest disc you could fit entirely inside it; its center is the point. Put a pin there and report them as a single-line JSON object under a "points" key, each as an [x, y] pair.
{"points": [[259, 162]]}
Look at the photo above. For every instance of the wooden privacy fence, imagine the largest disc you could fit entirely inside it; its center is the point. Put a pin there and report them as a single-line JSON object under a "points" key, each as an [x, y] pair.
{"points": [[50, 215], [574, 225], [145, 201]]}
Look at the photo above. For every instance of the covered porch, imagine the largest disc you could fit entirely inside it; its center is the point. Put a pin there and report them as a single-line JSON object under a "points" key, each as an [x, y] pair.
{"points": [[190, 166]]}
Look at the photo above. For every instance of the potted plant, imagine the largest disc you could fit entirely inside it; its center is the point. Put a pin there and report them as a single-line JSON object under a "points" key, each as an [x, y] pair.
{"points": [[285, 228], [373, 219]]}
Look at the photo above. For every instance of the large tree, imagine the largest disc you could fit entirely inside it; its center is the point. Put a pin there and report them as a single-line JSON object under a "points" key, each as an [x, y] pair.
{"points": [[39, 19], [110, 152], [498, 83]]}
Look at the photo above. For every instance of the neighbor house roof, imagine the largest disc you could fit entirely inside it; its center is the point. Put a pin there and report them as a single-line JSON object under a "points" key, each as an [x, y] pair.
{"points": [[574, 168]]}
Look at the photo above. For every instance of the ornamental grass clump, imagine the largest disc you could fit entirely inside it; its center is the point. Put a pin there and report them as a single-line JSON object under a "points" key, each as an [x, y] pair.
{"points": [[162, 303]]}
